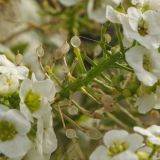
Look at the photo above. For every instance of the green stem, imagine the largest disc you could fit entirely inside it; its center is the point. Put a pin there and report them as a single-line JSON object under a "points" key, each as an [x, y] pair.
{"points": [[118, 33], [104, 86], [124, 67], [90, 61], [102, 41], [83, 110], [80, 60], [87, 78], [53, 76]]}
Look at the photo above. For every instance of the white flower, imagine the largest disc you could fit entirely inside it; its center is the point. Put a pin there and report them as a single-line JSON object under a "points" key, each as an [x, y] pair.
{"points": [[69, 3], [142, 27], [149, 101], [113, 15], [8, 83], [136, 58], [45, 141], [152, 133], [147, 4], [119, 145], [21, 72], [14, 142], [35, 96], [98, 15]]}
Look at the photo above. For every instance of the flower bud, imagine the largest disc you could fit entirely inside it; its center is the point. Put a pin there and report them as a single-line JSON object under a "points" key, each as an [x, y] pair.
{"points": [[60, 52], [155, 114], [73, 110], [40, 51], [71, 133], [65, 48], [18, 59], [75, 41], [94, 134], [107, 38], [107, 102]]}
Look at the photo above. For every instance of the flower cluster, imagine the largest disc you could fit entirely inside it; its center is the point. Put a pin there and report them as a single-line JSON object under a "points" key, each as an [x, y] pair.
{"points": [[26, 122], [141, 32], [120, 145]]}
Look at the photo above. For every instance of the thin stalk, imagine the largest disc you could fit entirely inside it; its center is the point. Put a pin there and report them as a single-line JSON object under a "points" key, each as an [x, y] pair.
{"points": [[118, 33], [116, 120], [138, 122], [86, 112], [80, 60], [87, 78], [95, 64], [103, 85]]}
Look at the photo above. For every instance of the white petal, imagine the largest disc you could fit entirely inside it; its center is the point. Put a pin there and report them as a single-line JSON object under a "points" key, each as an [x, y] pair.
{"points": [[3, 110], [5, 62], [40, 131], [22, 72], [157, 105], [48, 119], [44, 109], [146, 103], [47, 156], [134, 57], [154, 140], [49, 141], [151, 19], [154, 5], [26, 112], [126, 156], [46, 88], [155, 59], [114, 135], [154, 129], [25, 87], [34, 154], [31, 60], [17, 147], [134, 141], [22, 125], [142, 131], [100, 153], [8, 69], [98, 15], [134, 15], [113, 15]]}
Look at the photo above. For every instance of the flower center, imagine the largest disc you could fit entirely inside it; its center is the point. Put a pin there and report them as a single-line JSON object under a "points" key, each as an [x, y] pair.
{"points": [[32, 100], [116, 148], [7, 131], [142, 155], [142, 27], [145, 8]]}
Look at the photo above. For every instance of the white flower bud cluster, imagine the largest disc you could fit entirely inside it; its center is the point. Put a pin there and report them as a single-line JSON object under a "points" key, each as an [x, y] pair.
{"points": [[26, 127]]}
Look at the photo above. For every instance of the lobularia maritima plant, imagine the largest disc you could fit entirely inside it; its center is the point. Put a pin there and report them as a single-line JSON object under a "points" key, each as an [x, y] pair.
{"points": [[96, 95]]}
